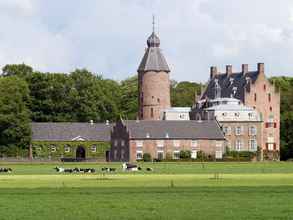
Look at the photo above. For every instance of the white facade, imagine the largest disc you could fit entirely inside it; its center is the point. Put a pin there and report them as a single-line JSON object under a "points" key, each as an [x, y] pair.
{"points": [[176, 113], [230, 109]]}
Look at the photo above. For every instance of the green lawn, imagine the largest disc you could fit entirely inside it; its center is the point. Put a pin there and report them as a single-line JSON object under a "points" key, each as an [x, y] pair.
{"points": [[172, 191]]}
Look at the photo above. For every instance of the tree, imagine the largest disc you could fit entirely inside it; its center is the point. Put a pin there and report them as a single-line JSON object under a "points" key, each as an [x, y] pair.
{"points": [[183, 93], [15, 129], [20, 70]]}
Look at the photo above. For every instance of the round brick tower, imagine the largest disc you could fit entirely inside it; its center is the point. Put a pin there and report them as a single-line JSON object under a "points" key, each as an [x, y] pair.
{"points": [[153, 81]]}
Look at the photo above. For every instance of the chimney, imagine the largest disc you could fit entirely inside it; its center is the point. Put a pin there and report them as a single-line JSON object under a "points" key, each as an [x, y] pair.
{"points": [[214, 72], [244, 68], [229, 70], [261, 68]]}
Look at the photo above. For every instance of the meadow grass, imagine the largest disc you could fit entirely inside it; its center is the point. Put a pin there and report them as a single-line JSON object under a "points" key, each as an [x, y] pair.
{"points": [[172, 191]]}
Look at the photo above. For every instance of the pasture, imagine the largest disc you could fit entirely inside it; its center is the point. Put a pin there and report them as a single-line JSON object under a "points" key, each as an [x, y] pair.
{"points": [[170, 191]]}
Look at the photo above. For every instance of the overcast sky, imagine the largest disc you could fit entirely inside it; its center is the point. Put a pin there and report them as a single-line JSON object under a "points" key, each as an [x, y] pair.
{"points": [[109, 36]]}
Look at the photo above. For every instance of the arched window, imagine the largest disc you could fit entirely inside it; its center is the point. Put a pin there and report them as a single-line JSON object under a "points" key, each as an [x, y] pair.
{"points": [[255, 97]]}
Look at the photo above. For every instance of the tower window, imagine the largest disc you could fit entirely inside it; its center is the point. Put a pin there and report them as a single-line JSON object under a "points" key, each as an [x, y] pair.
{"points": [[158, 100], [255, 97], [269, 97], [264, 87], [152, 112], [271, 109]]}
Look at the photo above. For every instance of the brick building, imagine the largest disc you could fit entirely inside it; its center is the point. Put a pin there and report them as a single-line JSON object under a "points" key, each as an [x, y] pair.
{"points": [[241, 124], [153, 81], [253, 89], [131, 139]]}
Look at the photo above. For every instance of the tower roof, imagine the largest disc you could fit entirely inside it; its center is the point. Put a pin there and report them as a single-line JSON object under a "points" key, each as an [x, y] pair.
{"points": [[153, 59]]}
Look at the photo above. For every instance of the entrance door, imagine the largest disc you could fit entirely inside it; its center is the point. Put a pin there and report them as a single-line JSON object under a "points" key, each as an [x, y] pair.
{"points": [[80, 153]]}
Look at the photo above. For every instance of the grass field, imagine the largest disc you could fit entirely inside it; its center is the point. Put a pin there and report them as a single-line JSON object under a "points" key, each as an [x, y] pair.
{"points": [[171, 191]]}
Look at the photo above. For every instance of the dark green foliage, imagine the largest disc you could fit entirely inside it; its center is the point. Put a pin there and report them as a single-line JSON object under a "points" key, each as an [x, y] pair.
{"points": [[285, 85], [15, 130], [147, 157], [183, 93], [239, 155], [185, 154]]}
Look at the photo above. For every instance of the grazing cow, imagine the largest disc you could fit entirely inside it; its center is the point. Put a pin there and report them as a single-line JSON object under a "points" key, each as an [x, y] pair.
{"points": [[129, 167], [149, 169], [107, 169], [5, 170]]}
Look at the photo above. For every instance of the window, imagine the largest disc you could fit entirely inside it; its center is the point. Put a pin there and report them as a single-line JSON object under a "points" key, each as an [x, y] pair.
{"points": [[115, 154], [219, 154], [53, 149], [194, 144], [255, 97], [94, 148], [122, 154], [227, 130], [158, 100], [176, 155], [252, 130], [237, 114], [176, 143], [139, 155], [194, 154], [160, 143], [253, 145], [115, 143], [66, 149], [269, 97], [160, 155], [122, 143], [270, 146], [238, 145], [264, 87], [218, 145], [271, 108], [139, 143], [152, 112], [238, 130]]}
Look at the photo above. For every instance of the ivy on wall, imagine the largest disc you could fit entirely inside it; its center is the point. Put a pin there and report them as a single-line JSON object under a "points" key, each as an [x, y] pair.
{"points": [[57, 149]]}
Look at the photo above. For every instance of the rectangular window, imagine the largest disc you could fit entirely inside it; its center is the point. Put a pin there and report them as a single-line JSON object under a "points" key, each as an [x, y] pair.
{"points": [[160, 143], [194, 154], [152, 112], [176, 155], [122, 143], [270, 146], [139, 143], [252, 130], [219, 154], [160, 155], [176, 143], [115, 154], [122, 154], [227, 130], [139, 155], [269, 97], [238, 130], [115, 143], [194, 144], [253, 145], [238, 145]]}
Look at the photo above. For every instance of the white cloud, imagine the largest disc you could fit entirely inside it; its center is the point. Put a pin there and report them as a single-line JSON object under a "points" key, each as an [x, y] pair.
{"points": [[109, 36]]}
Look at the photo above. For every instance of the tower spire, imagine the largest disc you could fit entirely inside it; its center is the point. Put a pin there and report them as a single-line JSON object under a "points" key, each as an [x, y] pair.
{"points": [[153, 23]]}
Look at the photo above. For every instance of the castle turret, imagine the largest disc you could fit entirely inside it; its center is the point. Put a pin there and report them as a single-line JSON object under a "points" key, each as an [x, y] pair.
{"points": [[153, 81]]}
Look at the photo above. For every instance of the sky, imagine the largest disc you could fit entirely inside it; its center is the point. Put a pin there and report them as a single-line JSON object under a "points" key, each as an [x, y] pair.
{"points": [[108, 37]]}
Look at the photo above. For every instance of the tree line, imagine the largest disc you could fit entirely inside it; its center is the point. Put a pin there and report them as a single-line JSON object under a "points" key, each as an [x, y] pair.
{"points": [[80, 96]]}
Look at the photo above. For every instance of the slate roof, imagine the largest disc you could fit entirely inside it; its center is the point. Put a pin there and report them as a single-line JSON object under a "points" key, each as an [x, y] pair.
{"points": [[153, 59], [239, 81], [69, 131], [174, 130]]}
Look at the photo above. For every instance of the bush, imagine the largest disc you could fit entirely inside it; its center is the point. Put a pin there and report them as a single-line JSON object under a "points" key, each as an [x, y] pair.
{"points": [[185, 154], [239, 155], [147, 157]]}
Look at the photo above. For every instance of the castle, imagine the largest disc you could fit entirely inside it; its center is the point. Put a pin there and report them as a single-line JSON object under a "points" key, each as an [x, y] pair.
{"points": [[236, 112]]}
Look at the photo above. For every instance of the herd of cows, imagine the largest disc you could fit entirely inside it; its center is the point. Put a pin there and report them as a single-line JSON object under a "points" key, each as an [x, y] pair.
{"points": [[125, 167]]}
